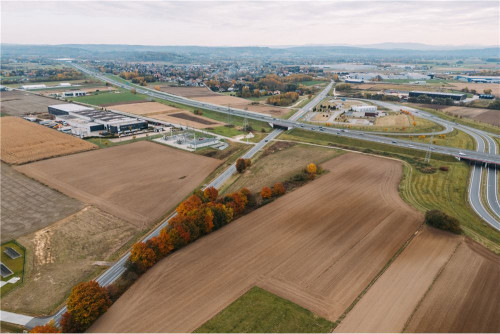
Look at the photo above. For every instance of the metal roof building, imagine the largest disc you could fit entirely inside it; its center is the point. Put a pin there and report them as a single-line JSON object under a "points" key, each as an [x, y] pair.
{"points": [[434, 95]]}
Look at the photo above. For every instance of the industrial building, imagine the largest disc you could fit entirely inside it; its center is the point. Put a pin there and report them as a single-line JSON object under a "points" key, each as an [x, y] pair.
{"points": [[364, 108], [435, 95], [30, 87], [85, 120], [479, 79], [74, 93], [487, 96]]}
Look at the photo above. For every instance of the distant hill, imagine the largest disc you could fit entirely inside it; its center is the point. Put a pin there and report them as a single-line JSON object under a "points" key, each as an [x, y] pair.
{"points": [[385, 51]]}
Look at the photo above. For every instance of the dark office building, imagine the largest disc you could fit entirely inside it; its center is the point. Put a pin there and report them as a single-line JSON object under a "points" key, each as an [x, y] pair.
{"points": [[438, 95]]}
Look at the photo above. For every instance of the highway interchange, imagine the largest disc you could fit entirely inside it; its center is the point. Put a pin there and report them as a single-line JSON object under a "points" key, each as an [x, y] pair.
{"points": [[488, 154]]}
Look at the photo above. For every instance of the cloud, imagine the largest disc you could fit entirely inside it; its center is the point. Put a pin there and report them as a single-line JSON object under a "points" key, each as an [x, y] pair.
{"points": [[251, 23]]}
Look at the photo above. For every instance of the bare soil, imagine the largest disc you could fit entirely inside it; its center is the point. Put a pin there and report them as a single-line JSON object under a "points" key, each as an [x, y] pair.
{"points": [[187, 119], [465, 297], [479, 87], [62, 255], [318, 246], [145, 108], [389, 303], [478, 114], [18, 103], [28, 206], [24, 141], [137, 182]]}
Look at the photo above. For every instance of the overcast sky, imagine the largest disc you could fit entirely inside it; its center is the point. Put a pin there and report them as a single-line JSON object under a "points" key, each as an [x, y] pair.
{"points": [[237, 23]]}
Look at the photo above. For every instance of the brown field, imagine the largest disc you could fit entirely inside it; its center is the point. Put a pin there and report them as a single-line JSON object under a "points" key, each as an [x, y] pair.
{"points": [[24, 141], [113, 179], [478, 114], [318, 246], [392, 121], [479, 87], [240, 103], [206, 95], [62, 255], [391, 300], [27, 205], [18, 103], [187, 119], [145, 108], [465, 297]]}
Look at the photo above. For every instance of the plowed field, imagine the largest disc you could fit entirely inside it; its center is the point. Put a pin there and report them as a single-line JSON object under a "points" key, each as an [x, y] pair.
{"points": [[318, 246]]}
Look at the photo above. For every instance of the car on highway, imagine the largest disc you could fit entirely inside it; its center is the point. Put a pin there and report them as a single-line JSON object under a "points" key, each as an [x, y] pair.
{"points": [[410, 145], [462, 154], [394, 142]]}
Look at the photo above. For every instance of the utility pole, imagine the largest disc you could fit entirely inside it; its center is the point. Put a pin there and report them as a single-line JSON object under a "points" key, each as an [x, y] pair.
{"points": [[428, 153]]}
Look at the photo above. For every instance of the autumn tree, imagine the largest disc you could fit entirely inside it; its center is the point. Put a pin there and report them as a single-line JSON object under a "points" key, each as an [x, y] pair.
{"points": [[241, 165], [189, 205], [311, 169], [237, 201], [157, 87], [142, 255], [266, 193], [211, 193], [278, 189], [49, 327], [87, 301], [133, 91], [487, 91]]}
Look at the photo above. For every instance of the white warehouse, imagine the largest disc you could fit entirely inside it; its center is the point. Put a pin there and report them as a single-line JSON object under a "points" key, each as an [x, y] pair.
{"points": [[365, 108]]}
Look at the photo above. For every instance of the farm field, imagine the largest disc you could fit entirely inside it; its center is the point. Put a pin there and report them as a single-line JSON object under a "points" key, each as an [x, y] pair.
{"points": [[188, 119], [28, 205], [389, 303], [284, 160], [300, 247], [478, 114], [259, 311], [18, 103], [479, 87], [203, 94], [113, 180], [107, 99], [24, 141], [62, 255], [392, 121], [465, 297]]}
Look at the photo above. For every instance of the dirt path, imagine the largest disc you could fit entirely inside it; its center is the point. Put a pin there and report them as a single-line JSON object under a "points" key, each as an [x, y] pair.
{"points": [[318, 246]]}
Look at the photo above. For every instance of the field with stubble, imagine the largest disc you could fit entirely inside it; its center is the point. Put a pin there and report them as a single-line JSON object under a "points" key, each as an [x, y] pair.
{"points": [[24, 141], [318, 246], [138, 182]]}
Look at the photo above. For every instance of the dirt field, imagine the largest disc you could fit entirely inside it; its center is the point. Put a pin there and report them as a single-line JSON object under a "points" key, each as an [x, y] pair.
{"points": [[479, 87], [24, 141], [206, 95], [145, 108], [391, 300], [114, 179], [187, 119], [392, 121], [465, 297], [478, 114], [27, 205], [318, 246], [63, 254], [239, 103], [17, 103]]}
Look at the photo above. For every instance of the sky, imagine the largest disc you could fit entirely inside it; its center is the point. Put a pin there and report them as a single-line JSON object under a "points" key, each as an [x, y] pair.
{"points": [[250, 23]]}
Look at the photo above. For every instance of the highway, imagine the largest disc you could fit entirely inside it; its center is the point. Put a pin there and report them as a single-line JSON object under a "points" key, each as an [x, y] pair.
{"points": [[480, 153]]}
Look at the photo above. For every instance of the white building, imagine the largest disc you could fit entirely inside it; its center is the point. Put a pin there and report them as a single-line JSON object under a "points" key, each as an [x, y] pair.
{"points": [[29, 87], [365, 108], [74, 93]]}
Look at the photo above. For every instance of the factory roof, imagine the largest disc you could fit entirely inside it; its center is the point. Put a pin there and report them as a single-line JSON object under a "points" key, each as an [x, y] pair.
{"points": [[70, 107]]}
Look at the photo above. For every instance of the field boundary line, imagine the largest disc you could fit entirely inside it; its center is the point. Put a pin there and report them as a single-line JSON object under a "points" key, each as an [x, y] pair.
{"points": [[379, 274], [407, 323]]}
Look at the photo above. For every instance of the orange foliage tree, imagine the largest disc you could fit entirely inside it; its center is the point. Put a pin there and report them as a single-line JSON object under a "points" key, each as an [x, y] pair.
{"points": [[278, 189], [211, 194], [311, 169], [87, 301], [266, 193], [189, 205], [49, 327], [143, 255]]}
